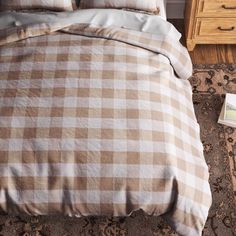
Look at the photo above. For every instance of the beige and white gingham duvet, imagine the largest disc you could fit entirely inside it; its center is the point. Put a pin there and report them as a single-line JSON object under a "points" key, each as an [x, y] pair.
{"points": [[94, 121]]}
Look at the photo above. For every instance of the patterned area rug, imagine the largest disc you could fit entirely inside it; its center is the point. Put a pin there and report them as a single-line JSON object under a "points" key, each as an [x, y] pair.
{"points": [[210, 83]]}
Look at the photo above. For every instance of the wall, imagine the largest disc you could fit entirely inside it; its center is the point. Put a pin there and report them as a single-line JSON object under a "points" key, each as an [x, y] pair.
{"points": [[175, 9]]}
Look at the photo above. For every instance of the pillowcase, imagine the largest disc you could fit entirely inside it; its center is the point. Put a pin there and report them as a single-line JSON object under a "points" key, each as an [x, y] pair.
{"points": [[143, 5], [57, 5]]}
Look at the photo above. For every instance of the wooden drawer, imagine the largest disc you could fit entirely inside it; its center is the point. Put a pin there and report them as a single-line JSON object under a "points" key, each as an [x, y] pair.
{"points": [[216, 28], [210, 22], [216, 8]]}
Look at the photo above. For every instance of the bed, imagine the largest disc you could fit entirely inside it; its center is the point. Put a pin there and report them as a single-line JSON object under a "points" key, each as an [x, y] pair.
{"points": [[96, 116]]}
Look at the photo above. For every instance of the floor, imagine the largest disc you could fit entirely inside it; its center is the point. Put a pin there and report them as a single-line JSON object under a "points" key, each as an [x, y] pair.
{"points": [[208, 54]]}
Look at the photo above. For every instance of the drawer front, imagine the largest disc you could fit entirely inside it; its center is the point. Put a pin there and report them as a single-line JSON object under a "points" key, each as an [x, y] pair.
{"points": [[216, 8], [216, 28]]}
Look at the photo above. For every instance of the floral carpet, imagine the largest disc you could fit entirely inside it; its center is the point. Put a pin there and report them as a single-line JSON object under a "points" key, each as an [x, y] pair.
{"points": [[210, 83]]}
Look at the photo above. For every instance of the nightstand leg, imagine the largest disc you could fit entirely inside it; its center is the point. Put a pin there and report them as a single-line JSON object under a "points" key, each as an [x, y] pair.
{"points": [[190, 44]]}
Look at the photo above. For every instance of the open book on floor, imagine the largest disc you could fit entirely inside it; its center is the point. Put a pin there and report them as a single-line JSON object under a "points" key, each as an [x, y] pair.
{"points": [[228, 111]]}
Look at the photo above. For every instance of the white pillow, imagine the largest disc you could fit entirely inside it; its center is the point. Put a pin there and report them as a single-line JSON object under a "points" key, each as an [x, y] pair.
{"points": [[57, 5], [143, 5]]}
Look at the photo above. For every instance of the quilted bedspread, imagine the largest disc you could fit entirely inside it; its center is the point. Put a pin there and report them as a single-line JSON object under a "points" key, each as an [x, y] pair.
{"points": [[98, 120]]}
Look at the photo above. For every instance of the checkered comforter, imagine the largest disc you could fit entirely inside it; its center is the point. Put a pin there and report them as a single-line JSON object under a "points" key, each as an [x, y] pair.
{"points": [[94, 121]]}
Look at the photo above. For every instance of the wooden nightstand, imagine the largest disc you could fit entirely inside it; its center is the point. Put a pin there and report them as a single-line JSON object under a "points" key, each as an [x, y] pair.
{"points": [[210, 22]]}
